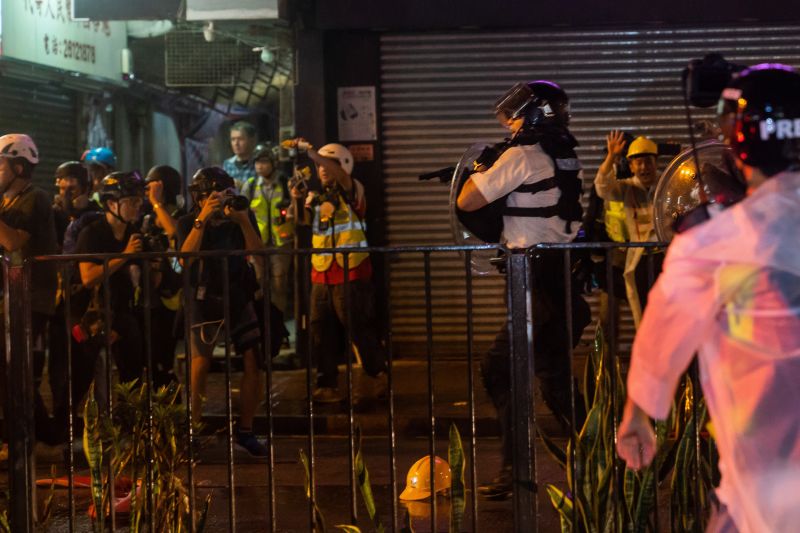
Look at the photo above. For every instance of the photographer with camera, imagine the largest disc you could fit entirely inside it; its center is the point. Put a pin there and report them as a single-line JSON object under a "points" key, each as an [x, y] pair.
{"points": [[730, 293], [269, 198], [629, 212], [535, 185], [27, 229], [221, 220], [159, 233], [122, 197], [336, 216]]}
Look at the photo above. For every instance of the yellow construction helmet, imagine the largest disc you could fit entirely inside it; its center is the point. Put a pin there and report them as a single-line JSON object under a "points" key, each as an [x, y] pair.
{"points": [[642, 146], [418, 481]]}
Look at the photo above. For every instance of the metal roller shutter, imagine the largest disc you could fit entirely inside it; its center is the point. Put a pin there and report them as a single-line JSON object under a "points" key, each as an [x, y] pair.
{"points": [[437, 91], [48, 114]]}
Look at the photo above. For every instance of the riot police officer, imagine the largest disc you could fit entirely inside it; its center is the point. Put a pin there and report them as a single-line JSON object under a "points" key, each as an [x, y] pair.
{"points": [[536, 178]]}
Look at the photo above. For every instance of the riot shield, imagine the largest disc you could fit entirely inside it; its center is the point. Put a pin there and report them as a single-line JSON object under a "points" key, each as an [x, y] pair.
{"points": [[480, 259], [677, 193]]}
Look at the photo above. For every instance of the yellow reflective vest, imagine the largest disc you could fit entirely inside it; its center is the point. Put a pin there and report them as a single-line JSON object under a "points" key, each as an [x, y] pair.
{"points": [[343, 229], [269, 207]]}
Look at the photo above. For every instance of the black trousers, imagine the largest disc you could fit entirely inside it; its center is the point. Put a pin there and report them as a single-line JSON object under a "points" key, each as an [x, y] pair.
{"points": [[550, 349], [328, 329]]}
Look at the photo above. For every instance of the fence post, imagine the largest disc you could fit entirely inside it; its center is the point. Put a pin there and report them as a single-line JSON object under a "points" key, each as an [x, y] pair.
{"points": [[521, 335], [18, 413]]}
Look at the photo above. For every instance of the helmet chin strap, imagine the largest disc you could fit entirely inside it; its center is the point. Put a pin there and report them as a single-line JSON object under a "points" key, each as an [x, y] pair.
{"points": [[10, 183]]}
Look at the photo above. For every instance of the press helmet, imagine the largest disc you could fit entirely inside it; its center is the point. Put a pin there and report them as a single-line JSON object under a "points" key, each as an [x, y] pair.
{"points": [[210, 179], [118, 185], [171, 179], [340, 153], [102, 155], [418, 480], [20, 149], [540, 102], [759, 113], [263, 151], [73, 170]]}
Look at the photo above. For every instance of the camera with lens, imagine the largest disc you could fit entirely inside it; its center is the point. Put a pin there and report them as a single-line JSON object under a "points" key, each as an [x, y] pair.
{"points": [[236, 202], [704, 79], [153, 238]]}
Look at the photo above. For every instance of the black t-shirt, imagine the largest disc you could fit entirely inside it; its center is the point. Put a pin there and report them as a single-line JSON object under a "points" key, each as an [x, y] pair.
{"points": [[219, 234], [98, 238], [31, 212]]}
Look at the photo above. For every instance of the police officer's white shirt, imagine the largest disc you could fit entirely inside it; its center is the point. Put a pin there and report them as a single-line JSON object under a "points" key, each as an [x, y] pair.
{"points": [[524, 165]]}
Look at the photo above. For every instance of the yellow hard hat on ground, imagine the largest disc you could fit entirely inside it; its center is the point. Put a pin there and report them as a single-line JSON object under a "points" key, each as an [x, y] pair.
{"points": [[418, 481], [642, 146]]}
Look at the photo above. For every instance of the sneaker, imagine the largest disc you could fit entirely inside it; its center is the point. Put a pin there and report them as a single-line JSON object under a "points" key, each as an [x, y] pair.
{"points": [[250, 443], [326, 395]]}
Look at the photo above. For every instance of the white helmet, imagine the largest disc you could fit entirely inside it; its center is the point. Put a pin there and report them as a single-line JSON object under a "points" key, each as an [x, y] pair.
{"points": [[15, 145], [340, 153]]}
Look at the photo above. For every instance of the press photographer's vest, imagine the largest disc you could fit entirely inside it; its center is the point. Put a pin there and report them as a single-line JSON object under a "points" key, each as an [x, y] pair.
{"points": [[343, 230], [269, 210]]}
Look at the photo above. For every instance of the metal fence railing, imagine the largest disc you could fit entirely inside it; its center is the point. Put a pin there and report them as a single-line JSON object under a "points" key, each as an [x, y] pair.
{"points": [[539, 497]]}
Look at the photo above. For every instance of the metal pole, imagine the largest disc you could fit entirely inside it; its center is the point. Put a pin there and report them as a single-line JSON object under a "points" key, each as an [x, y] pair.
{"points": [[522, 372], [19, 387]]}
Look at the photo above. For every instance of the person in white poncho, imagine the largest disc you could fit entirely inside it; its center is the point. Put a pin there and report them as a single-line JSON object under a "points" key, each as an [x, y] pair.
{"points": [[730, 291]]}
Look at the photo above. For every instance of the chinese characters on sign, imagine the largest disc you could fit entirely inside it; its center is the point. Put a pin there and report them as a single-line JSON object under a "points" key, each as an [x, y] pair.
{"points": [[42, 31]]}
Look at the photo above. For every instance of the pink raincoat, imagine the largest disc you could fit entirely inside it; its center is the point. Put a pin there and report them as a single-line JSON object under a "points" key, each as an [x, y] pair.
{"points": [[730, 291]]}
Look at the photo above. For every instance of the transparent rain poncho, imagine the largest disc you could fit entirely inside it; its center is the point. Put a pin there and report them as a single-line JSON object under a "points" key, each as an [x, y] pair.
{"points": [[730, 291]]}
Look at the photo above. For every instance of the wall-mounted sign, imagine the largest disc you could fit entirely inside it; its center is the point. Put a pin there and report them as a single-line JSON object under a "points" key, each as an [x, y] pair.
{"points": [[356, 114], [42, 32], [131, 10], [231, 9]]}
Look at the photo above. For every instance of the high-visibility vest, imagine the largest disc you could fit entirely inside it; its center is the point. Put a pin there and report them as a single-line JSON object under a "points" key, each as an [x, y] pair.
{"points": [[270, 210], [616, 224], [344, 229]]}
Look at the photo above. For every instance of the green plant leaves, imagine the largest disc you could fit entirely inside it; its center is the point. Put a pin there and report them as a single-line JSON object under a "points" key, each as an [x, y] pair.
{"points": [[455, 456]]}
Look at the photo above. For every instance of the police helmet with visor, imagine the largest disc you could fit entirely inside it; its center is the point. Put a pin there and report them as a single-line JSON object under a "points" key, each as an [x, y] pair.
{"points": [[540, 103], [759, 114]]}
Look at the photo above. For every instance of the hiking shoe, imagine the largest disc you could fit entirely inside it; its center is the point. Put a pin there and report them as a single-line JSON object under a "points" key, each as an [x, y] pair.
{"points": [[500, 488], [326, 395], [250, 443]]}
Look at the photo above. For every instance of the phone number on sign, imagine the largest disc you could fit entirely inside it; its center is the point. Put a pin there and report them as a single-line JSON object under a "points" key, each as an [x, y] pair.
{"points": [[81, 52], [69, 49]]}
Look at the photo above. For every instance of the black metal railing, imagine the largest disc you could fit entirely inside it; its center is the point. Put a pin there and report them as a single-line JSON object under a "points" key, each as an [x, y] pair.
{"points": [[526, 508]]}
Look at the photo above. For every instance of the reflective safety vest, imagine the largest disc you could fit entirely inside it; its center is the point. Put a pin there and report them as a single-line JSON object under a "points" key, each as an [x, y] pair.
{"points": [[343, 230], [616, 224], [269, 208]]}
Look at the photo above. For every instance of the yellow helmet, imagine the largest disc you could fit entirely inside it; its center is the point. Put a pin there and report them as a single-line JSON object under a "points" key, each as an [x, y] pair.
{"points": [[418, 481], [642, 146]]}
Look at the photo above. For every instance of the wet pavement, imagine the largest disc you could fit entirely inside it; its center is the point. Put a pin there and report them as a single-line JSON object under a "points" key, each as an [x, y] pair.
{"points": [[411, 424]]}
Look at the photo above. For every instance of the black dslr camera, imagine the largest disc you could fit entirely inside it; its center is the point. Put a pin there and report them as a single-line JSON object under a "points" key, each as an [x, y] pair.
{"points": [[236, 202], [704, 79]]}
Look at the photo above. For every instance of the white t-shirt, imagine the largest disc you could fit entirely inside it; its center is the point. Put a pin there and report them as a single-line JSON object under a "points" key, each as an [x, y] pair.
{"points": [[524, 165]]}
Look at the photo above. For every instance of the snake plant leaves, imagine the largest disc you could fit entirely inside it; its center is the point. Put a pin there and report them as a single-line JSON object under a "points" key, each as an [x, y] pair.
{"points": [[455, 456]]}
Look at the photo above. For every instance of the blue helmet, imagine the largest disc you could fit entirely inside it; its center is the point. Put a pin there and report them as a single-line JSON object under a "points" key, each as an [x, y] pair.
{"points": [[104, 156]]}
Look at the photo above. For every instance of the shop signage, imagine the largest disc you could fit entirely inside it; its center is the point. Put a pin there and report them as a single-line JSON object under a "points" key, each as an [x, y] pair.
{"points": [[43, 32], [122, 10]]}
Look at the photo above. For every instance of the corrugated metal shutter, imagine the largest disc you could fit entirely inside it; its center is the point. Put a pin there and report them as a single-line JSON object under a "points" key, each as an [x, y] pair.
{"points": [[48, 114], [437, 92]]}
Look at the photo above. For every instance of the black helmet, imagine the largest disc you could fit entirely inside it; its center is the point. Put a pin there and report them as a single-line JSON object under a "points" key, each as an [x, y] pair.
{"points": [[759, 112], [211, 179], [118, 185], [541, 102], [264, 151], [171, 179], [74, 170]]}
